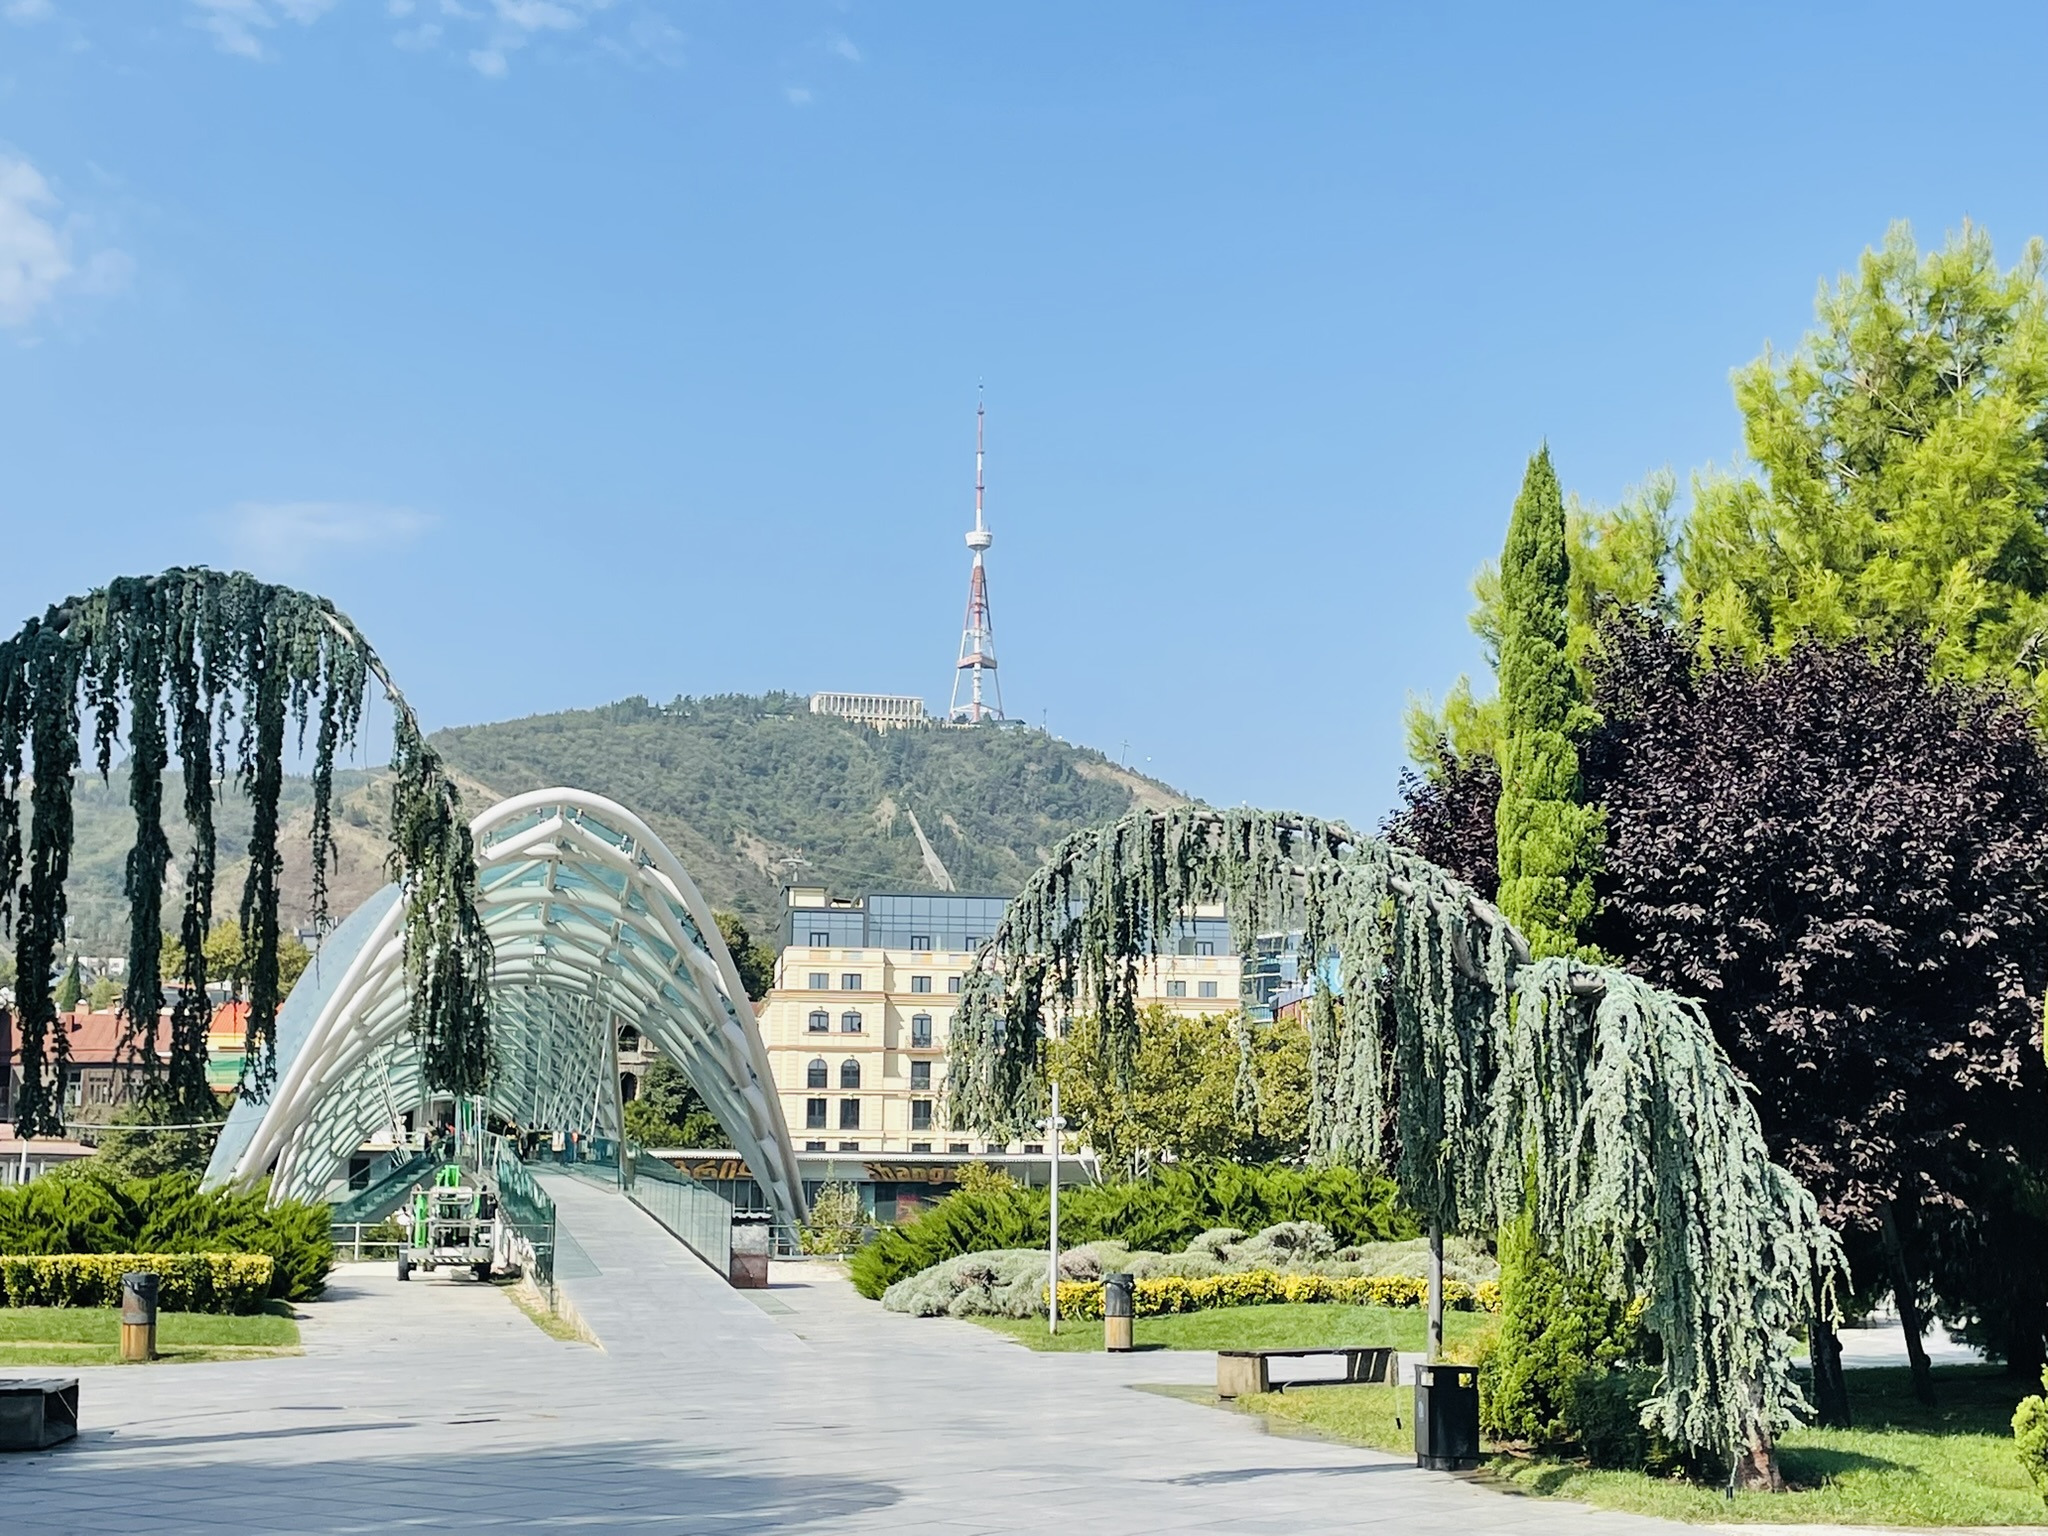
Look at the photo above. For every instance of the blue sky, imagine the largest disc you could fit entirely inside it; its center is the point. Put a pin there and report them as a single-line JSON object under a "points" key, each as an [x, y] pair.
{"points": [[582, 350]]}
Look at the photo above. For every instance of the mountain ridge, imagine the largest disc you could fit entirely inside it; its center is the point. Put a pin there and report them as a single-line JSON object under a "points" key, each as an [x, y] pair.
{"points": [[751, 791]]}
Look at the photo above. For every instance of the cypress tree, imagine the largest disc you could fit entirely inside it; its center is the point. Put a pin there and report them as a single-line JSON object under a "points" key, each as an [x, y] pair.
{"points": [[1554, 1326], [70, 988], [1548, 841]]}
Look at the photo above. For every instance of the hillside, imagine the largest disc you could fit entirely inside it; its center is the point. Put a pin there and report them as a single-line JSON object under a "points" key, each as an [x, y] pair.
{"points": [[757, 792], [751, 792]]}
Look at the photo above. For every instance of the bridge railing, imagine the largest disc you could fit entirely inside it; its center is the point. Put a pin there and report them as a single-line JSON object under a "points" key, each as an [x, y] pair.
{"points": [[525, 1213], [701, 1218]]}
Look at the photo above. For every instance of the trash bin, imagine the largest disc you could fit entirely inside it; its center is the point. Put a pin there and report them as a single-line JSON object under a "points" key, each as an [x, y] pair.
{"points": [[753, 1239], [138, 1314], [1118, 1308], [1446, 1417]]}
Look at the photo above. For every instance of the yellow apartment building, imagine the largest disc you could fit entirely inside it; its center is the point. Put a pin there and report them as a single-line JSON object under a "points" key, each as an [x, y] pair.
{"points": [[864, 995]]}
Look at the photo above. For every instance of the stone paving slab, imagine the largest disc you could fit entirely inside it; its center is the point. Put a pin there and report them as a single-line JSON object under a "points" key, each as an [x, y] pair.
{"points": [[436, 1406]]}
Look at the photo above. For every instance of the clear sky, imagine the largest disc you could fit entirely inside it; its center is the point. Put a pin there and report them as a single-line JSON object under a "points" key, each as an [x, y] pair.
{"points": [[582, 350]]}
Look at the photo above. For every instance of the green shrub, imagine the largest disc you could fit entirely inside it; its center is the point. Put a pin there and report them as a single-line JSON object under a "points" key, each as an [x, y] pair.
{"points": [[189, 1282], [2030, 1435], [1162, 1214], [1603, 1415], [1555, 1327], [87, 1210]]}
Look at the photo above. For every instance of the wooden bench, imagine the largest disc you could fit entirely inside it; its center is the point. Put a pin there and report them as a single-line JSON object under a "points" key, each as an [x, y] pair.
{"points": [[37, 1411], [1240, 1372]]}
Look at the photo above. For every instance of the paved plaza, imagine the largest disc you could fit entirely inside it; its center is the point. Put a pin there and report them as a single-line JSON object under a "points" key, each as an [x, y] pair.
{"points": [[437, 1406]]}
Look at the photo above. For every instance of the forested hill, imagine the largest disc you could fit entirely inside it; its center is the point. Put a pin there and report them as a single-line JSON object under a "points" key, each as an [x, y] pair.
{"points": [[751, 793], [754, 793]]}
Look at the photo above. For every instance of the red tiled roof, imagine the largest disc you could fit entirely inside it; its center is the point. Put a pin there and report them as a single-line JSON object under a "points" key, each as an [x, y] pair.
{"points": [[95, 1038]]}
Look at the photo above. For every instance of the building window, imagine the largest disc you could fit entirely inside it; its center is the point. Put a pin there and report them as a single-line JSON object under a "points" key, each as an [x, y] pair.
{"points": [[821, 1021], [629, 1087], [1205, 947], [814, 1074], [996, 1149], [629, 1040], [814, 1114], [1032, 1148], [920, 1146], [849, 1023], [952, 983], [920, 941], [849, 981], [973, 942], [820, 940], [849, 1114], [920, 1031], [921, 1076], [1205, 989], [920, 983], [849, 1075], [921, 1115], [959, 1147], [849, 1146], [821, 981], [1176, 989], [814, 1146]]}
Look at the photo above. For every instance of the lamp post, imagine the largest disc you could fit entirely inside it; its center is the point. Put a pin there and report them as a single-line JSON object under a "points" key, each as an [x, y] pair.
{"points": [[1052, 1125]]}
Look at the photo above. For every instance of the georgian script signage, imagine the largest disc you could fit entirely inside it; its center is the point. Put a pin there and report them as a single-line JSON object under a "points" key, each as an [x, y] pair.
{"points": [[707, 1168]]}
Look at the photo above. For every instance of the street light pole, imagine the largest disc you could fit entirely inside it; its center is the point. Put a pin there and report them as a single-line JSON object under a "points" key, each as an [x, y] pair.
{"points": [[1053, 1125]]}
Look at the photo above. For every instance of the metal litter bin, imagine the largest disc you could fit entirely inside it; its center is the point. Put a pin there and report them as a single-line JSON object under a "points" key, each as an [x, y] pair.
{"points": [[1119, 1307], [1446, 1417], [138, 1314]]}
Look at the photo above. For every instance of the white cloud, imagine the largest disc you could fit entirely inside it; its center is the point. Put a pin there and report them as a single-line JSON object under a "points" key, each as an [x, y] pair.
{"points": [[488, 33], [843, 45], [37, 260], [537, 15], [287, 536], [237, 25], [796, 95]]}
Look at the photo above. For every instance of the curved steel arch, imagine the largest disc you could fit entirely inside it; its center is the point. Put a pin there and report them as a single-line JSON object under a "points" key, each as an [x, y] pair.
{"points": [[593, 923]]}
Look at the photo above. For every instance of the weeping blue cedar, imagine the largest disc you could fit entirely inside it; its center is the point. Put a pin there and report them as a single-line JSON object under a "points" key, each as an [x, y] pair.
{"points": [[1644, 1147], [176, 657]]}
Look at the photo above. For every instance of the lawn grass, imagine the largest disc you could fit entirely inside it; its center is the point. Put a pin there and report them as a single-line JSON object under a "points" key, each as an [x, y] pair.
{"points": [[1902, 1465], [92, 1335], [1282, 1325]]}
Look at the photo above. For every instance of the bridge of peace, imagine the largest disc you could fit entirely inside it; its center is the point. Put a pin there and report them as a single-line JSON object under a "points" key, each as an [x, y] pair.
{"points": [[684, 1402]]}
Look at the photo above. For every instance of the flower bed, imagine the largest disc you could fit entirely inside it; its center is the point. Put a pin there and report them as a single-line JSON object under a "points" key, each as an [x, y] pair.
{"points": [[1264, 1286]]}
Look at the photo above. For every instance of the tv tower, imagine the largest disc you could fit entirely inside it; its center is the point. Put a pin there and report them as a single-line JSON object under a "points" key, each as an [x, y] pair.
{"points": [[977, 636]]}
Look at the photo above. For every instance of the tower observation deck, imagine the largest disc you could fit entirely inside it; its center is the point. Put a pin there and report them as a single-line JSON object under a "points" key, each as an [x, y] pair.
{"points": [[975, 672]]}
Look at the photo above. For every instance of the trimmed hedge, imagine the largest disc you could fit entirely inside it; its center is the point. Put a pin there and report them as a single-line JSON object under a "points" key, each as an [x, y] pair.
{"points": [[85, 1209], [1164, 1213], [1264, 1287], [191, 1282]]}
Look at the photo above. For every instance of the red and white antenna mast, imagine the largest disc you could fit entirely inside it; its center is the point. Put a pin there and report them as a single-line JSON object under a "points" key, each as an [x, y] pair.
{"points": [[977, 636]]}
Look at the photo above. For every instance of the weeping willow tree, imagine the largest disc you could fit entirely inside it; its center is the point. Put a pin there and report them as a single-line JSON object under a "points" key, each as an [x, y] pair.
{"points": [[218, 669], [1643, 1146]]}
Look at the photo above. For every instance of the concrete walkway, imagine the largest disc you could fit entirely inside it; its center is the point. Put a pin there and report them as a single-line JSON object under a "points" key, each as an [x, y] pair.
{"points": [[436, 1406]]}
